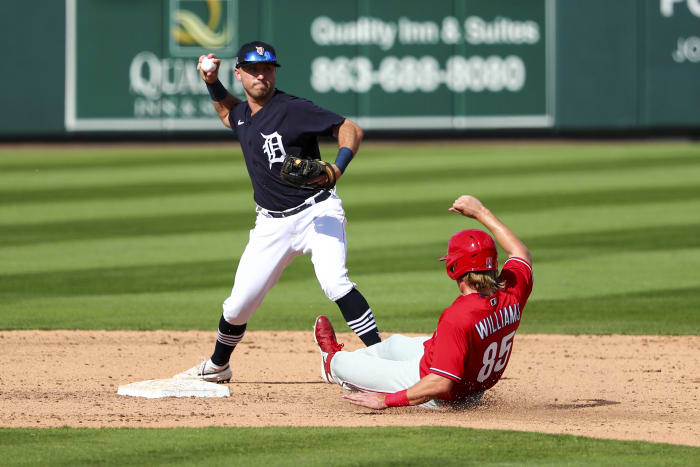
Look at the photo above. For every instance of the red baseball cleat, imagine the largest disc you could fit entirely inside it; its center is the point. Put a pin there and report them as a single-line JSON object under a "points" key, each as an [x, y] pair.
{"points": [[324, 335]]}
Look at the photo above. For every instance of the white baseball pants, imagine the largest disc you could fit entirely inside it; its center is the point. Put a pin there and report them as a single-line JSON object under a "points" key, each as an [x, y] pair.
{"points": [[389, 366], [275, 242]]}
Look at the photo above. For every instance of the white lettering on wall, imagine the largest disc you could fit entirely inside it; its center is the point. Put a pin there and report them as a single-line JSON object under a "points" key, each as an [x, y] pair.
{"points": [[500, 31], [172, 87], [153, 77], [419, 74], [450, 33], [688, 50], [365, 31], [418, 32], [385, 34], [667, 7]]}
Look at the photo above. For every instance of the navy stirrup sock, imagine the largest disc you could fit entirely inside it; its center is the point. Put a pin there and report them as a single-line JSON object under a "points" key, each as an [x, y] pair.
{"points": [[229, 336], [358, 315]]}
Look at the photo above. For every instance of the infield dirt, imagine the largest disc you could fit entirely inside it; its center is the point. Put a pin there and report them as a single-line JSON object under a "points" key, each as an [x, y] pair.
{"points": [[620, 387]]}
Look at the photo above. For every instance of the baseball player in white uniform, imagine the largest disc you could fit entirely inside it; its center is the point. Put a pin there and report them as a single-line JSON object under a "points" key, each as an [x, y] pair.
{"points": [[292, 220]]}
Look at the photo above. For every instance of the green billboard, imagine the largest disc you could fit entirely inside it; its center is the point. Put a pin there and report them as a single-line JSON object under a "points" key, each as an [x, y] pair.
{"points": [[131, 65], [671, 83], [397, 64]]}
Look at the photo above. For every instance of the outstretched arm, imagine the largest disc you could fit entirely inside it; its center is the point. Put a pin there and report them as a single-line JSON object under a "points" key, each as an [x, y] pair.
{"points": [[227, 100], [428, 388], [469, 206]]}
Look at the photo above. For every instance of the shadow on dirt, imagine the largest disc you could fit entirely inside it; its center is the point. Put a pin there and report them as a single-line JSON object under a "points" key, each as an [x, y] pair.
{"points": [[582, 404]]}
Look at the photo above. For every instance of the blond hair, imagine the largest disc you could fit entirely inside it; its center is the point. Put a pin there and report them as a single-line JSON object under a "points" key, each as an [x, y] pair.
{"points": [[484, 282]]}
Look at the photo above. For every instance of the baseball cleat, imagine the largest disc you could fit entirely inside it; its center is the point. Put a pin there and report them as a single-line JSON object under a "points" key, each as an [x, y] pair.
{"points": [[207, 371], [324, 335]]}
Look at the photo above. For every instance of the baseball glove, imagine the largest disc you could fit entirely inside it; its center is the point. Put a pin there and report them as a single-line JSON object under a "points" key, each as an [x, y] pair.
{"points": [[307, 173]]}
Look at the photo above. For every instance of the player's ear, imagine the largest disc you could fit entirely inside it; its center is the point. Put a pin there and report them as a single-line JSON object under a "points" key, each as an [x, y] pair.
{"points": [[237, 73]]}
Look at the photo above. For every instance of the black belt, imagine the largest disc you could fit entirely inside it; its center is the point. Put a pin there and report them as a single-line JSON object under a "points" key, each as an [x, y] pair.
{"points": [[324, 195]]}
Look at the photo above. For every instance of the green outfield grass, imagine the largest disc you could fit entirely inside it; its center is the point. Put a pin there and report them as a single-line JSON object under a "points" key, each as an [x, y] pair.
{"points": [[128, 238], [357, 446]]}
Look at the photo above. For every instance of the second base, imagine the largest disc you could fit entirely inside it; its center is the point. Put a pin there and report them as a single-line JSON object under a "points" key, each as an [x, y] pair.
{"points": [[156, 388]]}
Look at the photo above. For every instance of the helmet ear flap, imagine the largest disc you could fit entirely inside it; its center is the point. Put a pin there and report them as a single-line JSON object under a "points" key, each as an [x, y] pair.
{"points": [[452, 268]]}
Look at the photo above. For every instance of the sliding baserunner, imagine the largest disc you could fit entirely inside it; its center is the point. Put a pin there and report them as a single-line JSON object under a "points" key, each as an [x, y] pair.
{"points": [[468, 352]]}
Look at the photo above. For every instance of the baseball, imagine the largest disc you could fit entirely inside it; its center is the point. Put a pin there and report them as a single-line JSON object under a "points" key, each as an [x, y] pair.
{"points": [[207, 64]]}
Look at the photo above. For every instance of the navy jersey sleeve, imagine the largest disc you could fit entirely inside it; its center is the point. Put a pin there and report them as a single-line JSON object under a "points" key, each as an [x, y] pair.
{"points": [[307, 117]]}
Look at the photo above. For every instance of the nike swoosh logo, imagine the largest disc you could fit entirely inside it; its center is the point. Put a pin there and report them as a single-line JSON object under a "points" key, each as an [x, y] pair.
{"points": [[241, 122]]}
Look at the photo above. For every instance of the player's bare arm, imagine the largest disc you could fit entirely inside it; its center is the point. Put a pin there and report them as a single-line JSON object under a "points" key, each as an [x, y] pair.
{"points": [[349, 135], [224, 106], [429, 387], [470, 206]]}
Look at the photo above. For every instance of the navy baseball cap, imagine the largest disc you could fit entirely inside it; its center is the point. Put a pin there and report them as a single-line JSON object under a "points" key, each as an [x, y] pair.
{"points": [[256, 52]]}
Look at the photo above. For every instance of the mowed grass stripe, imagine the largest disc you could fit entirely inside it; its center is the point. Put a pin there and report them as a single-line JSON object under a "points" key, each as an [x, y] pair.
{"points": [[451, 166], [226, 173], [24, 234], [411, 304], [503, 160], [442, 193], [666, 311], [374, 234], [444, 167], [79, 159], [548, 247], [172, 224], [324, 446], [192, 275], [294, 305], [70, 158], [119, 192]]}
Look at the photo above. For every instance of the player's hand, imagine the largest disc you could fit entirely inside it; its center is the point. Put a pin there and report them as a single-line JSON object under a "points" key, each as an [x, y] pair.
{"points": [[209, 76], [371, 400], [468, 206], [323, 179]]}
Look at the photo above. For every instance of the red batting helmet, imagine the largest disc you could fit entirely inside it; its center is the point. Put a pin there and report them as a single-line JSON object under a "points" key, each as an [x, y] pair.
{"points": [[470, 250]]}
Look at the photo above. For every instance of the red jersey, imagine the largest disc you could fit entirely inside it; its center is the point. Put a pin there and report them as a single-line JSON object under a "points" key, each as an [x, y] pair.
{"points": [[474, 336]]}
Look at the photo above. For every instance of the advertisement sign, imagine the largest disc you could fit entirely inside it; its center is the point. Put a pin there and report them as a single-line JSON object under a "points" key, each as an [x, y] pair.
{"points": [[398, 65], [672, 45], [389, 65], [132, 65]]}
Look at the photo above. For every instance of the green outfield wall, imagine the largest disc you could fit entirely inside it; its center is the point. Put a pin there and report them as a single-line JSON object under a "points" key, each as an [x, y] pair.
{"points": [[81, 66]]}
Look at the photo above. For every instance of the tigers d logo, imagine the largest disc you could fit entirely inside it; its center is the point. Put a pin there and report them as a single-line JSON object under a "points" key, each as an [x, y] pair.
{"points": [[196, 27]]}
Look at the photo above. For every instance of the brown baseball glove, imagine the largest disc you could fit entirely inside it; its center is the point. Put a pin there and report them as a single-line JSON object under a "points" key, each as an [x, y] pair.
{"points": [[307, 173]]}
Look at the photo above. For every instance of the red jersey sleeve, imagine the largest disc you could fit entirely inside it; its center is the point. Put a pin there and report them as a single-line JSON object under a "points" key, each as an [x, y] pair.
{"points": [[449, 349], [517, 274]]}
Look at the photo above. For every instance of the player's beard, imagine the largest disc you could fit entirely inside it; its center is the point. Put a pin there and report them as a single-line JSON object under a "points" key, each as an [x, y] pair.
{"points": [[260, 91]]}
